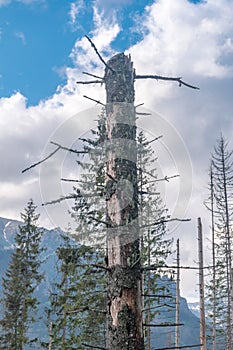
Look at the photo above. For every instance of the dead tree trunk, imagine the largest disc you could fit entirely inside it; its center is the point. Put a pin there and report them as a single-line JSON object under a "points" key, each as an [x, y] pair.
{"points": [[124, 279], [213, 260], [177, 334], [201, 287]]}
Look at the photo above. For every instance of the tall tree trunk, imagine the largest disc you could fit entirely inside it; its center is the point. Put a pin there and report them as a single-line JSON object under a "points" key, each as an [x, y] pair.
{"points": [[228, 256], [201, 288], [124, 278], [149, 291], [177, 337], [213, 259], [50, 335]]}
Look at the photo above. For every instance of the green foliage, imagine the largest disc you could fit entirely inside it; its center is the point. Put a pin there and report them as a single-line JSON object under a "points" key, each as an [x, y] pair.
{"points": [[77, 311], [155, 247], [80, 295], [20, 282], [89, 207]]}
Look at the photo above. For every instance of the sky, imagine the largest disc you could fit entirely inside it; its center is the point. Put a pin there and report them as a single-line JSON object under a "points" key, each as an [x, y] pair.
{"points": [[43, 52]]}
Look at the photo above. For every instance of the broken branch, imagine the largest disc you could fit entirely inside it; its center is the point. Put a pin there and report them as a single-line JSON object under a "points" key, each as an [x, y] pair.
{"points": [[155, 267], [155, 139], [68, 149], [92, 99], [163, 325], [93, 75], [179, 347], [98, 54], [164, 221], [140, 104], [61, 199], [89, 82], [138, 113], [158, 77], [43, 160]]}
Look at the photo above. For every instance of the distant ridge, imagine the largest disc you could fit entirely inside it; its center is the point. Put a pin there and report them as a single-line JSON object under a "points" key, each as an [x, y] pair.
{"points": [[51, 240]]}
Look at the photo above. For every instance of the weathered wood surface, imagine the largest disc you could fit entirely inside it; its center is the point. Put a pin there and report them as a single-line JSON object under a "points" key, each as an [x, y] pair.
{"points": [[124, 325]]}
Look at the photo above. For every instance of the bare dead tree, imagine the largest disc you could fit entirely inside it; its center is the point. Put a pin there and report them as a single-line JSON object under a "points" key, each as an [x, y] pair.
{"points": [[201, 287], [177, 336]]}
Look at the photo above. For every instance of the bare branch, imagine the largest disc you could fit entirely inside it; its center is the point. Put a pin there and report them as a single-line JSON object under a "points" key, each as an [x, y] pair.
{"points": [[141, 113], [155, 139], [68, 149], [158, 77], [149, 193], [179, 347], [164, 221], [61, 199], [89, 82], [70, 180], [163, 325], [98, 54], [83, 182], [43, 160], [93, 75], [99, 221], [167, 178], [140, 104], [92, 99], [155, 267]]}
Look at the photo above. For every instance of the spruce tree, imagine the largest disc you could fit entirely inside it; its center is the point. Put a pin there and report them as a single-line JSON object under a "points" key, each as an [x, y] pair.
{"points": [[89, 210], [155, 246], [220, 286], [77, 311], [20, 282]]}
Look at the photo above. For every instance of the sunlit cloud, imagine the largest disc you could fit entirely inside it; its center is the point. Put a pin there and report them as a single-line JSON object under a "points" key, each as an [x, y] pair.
{"points": [[75, 8]]}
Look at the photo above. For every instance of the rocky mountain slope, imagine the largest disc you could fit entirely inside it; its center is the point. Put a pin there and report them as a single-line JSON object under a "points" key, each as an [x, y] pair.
{"points": [[162, 336]]}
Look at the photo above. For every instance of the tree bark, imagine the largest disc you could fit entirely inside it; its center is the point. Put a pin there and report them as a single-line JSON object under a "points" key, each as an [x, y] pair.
{"points": [[177, 334], [201, 287], [214, 335], [124, 325]]}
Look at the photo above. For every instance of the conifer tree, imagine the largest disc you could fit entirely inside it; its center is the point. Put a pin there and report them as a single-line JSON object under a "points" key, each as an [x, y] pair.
{"points": [[20, 282], [90, 214], [77, 311], [220, 286], [155, 247]]}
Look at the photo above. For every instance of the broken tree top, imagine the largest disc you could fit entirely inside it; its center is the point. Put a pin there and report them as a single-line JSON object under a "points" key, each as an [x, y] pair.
{"points": [[121, 66], [119, 79]]}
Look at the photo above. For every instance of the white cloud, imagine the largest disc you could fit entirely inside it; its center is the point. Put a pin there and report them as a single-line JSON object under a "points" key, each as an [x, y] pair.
{"points": [[75, 9], [103, 34], [188, 36], [195, 42]]}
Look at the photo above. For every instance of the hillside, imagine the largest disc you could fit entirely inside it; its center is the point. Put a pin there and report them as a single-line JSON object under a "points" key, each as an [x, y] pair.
{"points": [[161, 336]]}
